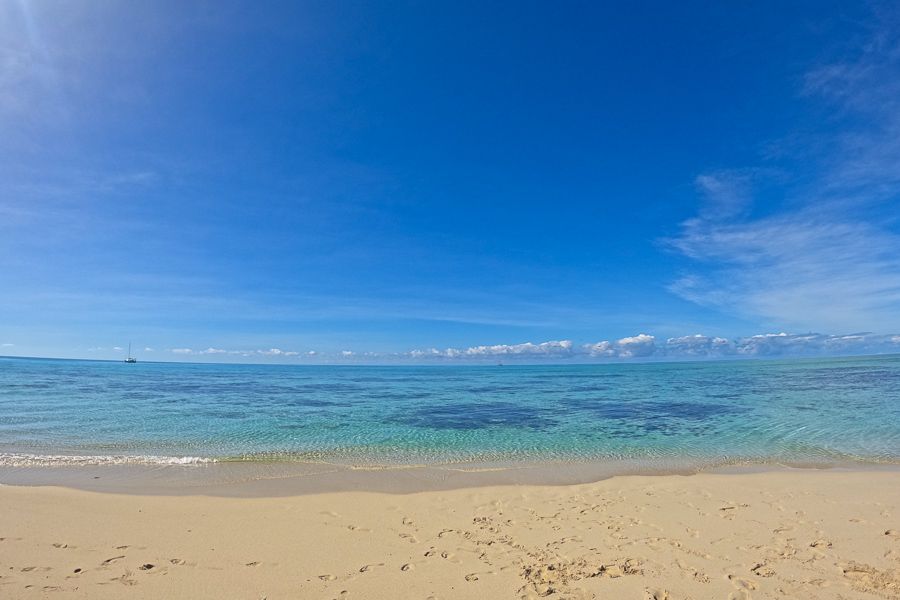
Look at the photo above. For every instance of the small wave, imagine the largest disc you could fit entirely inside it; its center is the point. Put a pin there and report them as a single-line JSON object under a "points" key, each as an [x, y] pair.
{"points": [[59, 460]]}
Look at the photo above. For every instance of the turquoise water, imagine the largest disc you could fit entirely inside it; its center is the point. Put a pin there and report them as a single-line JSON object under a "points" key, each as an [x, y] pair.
{"points": [[59, 411]]}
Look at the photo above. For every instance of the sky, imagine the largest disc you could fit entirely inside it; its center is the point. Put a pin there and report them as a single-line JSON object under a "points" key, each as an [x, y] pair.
{"points": [[448, 181]]}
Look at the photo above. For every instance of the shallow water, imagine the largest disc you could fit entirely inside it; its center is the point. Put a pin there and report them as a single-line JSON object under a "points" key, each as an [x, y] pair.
{"points": [[84, 412]]}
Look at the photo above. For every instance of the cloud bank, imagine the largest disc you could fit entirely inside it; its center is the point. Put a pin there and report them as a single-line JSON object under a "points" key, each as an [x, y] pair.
{"points": [[648, 347], [640, 347], [779, 344], [558, 349], [244, 353]]}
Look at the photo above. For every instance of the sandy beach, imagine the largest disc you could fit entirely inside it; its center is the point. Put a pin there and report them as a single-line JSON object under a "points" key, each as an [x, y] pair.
{"points": [[800, 533]]}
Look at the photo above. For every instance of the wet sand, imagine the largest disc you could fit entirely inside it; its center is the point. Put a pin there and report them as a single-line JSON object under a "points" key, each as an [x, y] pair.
{"points": [[295, 478], [789, 533]]}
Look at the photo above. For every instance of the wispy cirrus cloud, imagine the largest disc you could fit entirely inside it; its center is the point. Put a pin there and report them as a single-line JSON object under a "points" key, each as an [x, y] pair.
{"points": [[803, 269], [831, 257]]}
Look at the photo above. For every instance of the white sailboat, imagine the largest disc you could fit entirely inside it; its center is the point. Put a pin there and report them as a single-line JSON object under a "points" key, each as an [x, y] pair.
{"points": [[130, 358]]}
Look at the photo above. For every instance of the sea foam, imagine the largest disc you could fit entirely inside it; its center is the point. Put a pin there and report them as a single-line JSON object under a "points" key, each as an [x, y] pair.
{"points": [[60, 460]]}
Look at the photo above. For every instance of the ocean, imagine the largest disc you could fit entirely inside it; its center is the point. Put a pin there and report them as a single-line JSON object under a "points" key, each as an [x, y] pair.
{"points": [[822, 411]]}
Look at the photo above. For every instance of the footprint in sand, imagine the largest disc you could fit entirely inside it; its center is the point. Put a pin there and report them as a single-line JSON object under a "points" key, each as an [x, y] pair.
{"points": [[782, 529], [328, 577], [125, 579], [366, 568], [112, 560], [866, 576], [820, 544], [255, 563], [406, 567], [656, 595], [742, 584], [60, 546], [471, 577], [177, 561]]}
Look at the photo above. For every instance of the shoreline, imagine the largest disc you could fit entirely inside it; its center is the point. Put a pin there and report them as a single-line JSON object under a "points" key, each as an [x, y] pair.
{"points": [[262, 479]]}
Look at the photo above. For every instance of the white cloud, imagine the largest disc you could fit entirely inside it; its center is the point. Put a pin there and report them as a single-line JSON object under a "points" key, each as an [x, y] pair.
{"points": [[556, 348], [830, 257], [814, 344], [272, 352], [805, 269], [117, 348], [553, 348], [148, 349], [725, 193], [640, 345], [767, 344], [7, 345], [773, 344], [277, 352], [604, 348], [698, 345], [434, 353]]}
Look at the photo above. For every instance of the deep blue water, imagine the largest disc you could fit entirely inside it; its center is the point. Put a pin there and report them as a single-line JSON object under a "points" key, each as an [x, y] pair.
{"points": [[794, 410]]}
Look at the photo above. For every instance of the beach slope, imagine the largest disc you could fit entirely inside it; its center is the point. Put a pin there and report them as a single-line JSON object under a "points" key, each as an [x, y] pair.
{"points": [[783, 534]]}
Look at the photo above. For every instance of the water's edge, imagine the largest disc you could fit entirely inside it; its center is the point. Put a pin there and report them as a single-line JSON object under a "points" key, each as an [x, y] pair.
{"points": [[281, 479]]}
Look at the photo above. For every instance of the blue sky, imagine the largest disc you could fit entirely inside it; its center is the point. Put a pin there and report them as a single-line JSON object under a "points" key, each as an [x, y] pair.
{"points": [[441, 181]]}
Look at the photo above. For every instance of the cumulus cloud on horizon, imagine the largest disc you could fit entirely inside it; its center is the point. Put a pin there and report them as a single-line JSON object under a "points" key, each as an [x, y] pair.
{"points": [[561, 348], [244, 353], [646, 346], [639, 347]]}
